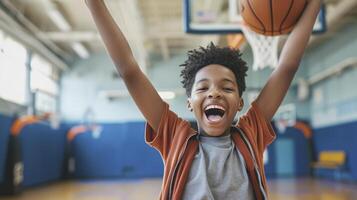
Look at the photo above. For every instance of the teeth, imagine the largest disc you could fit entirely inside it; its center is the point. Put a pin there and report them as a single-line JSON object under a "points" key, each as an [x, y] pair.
{"points": [[215, 106]]}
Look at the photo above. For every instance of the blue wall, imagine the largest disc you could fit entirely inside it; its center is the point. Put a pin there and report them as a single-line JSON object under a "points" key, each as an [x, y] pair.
{"points": [[340, 137], [5, 123], [119, 152], [42, 150], [301, 155]]}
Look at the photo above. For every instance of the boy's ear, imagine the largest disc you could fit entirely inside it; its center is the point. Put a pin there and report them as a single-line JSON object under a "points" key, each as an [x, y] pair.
{"points": [[241, 104], [189, 107]]}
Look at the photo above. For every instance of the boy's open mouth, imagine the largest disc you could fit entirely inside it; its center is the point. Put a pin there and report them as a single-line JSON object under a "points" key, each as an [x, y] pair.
{"points": [[214, 113]]}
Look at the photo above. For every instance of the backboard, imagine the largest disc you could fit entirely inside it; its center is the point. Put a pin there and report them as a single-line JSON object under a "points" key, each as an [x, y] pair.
{"points": [[222, 17]]}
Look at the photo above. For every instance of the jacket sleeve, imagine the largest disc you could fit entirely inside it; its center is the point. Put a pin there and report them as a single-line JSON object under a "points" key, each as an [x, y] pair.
{"points": [[170, 125], [260, 129]]}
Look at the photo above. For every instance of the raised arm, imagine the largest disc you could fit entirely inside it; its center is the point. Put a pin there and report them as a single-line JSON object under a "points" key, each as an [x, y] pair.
{"points": [[278, 83], [142, 91]]}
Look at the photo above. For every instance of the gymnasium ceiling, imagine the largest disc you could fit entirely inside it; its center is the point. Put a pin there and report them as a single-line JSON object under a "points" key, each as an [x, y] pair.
{"points": [[154, 28]]}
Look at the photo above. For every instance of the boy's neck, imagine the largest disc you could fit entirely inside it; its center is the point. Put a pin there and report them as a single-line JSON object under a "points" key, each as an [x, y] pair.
{"points": [[203, 133]]}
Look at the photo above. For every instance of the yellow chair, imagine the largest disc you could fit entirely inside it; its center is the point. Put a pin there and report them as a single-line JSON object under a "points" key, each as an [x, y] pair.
{"points": [[334, 160]]}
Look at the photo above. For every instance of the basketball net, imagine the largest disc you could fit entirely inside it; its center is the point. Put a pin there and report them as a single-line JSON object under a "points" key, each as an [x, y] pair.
{"points": [[89, 120], [265, 48], [55, 120], [281, 125]]}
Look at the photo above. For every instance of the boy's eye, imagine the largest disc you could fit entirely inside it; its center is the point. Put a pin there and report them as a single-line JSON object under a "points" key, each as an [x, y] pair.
{"points": [[228, 89], [201, 88]]}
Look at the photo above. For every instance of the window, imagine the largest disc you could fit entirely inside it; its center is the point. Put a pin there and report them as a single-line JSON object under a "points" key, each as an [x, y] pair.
{"points": [[44, 84], [13, 57]]}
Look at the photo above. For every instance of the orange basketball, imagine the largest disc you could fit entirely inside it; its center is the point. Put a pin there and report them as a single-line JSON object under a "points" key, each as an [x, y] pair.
{"points": [[271, 17]]}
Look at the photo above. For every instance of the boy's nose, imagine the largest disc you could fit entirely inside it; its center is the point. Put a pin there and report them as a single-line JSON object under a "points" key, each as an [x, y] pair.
{"points": [[214, 94]]}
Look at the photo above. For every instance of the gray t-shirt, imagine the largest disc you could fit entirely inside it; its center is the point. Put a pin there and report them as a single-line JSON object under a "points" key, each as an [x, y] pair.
{"points": [[218, 172]]}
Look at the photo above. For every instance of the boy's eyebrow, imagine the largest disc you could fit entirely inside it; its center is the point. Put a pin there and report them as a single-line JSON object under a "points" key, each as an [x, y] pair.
{"points": [[223, 80], [202, 80], [228, 80]]}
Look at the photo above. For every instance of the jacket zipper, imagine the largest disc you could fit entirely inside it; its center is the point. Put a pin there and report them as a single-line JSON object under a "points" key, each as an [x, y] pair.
{"points": [[177, 163]]}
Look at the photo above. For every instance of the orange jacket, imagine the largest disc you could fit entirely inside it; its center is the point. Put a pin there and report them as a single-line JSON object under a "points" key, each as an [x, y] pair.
{"points": [[176, 141]]}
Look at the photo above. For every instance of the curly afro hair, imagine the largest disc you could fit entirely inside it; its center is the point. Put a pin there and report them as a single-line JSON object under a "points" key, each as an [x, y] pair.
{"points": [[212, 54]]}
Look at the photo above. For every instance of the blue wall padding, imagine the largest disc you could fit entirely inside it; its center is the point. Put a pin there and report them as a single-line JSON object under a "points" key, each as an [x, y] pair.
{"points": [[42, 153], [302, 154], [270, 167], [120, 151], [339, 137], [5, 123]]}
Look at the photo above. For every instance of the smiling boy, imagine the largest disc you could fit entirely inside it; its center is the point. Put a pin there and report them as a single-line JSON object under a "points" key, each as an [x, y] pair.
{"points": [[220, 160]]}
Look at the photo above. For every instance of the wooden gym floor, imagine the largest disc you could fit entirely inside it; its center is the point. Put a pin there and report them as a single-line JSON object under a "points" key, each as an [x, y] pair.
{"points": [[280, 189]]}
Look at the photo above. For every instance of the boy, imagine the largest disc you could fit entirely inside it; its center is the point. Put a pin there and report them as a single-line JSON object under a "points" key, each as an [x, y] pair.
{"points": [[220, 161]]}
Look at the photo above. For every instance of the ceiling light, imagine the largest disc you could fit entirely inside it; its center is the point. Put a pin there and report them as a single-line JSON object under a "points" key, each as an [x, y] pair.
{"points": [[167, 95], [80, 50], [119, 94], [59, 20]]}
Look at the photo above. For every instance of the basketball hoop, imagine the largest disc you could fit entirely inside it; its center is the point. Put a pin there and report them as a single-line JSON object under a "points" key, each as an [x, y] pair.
{"points": [[89, 120], [55, 120], [281, 125], [265, 49], [225, 17], [285, 117]]}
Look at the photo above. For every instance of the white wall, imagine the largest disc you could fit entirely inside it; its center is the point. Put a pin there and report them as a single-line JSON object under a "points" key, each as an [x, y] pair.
{"points": [[81, 86], [334, 100]]}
